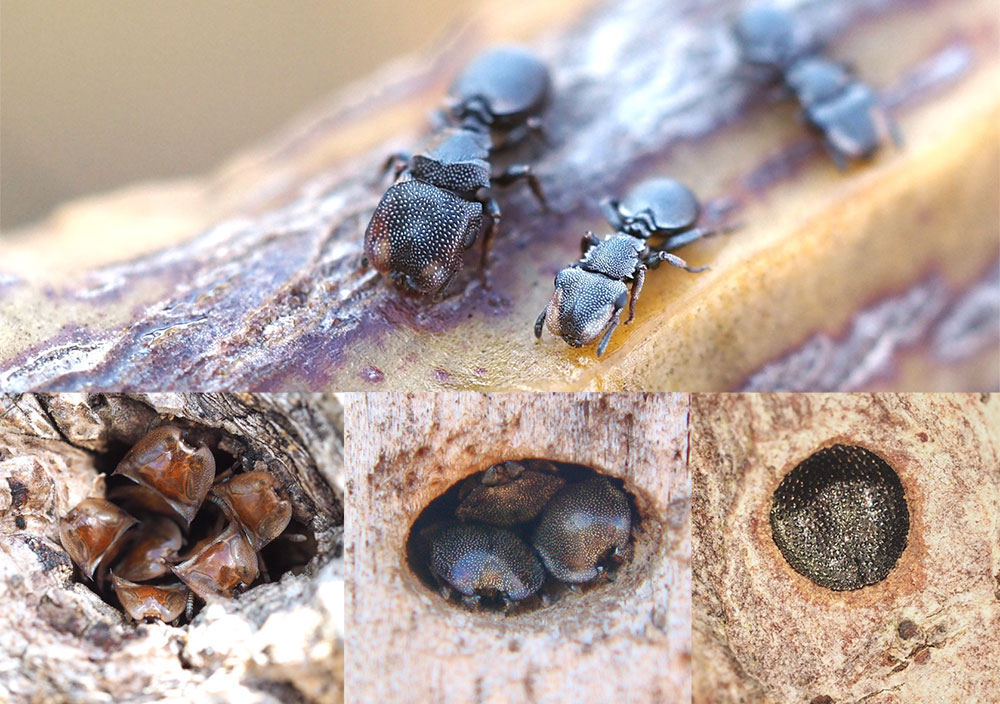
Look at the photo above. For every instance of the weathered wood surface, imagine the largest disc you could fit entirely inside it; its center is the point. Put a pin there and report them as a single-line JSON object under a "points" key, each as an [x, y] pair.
{"points": [[59, 642], [764, 633], [627, 641], [884, 277]]}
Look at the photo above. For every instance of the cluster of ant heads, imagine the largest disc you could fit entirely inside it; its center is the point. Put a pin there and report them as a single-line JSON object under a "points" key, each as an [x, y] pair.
{"points": [[174, 529], [522, 534]]}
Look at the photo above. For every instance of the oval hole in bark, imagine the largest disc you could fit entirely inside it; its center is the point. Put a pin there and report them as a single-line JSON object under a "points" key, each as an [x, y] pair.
{"points": [[455, 507], [840, 518]]}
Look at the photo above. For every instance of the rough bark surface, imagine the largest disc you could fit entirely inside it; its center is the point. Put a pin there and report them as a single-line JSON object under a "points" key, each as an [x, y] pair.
{"points": [[927, 633], [626, 641], [884, 276], [59, 642]]}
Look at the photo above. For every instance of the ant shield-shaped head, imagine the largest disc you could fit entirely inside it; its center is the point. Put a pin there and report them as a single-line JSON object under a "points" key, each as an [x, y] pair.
{"points": [[150, 602], [250, 501], [226, 565], [181, 473], [92, 532]]}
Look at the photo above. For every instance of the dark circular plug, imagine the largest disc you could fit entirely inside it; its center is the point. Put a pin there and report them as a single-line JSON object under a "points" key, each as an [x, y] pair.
{"points": [[840, 518]]}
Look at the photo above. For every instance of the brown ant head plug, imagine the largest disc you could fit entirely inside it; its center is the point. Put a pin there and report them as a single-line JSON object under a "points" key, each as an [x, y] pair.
{"points": [[92, 533], [225, 566], [180, 473], [250, 501], [150, 602]]}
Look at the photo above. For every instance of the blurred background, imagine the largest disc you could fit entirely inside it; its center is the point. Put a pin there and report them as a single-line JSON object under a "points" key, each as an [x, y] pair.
{"points": [[99, 94]]}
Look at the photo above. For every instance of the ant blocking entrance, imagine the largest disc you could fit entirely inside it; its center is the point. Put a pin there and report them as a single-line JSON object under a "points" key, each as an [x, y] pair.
{"points": [[840, 518], [523, 534], [181, 524]]}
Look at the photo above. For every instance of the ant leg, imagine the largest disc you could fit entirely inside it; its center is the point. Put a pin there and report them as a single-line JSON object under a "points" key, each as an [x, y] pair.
{"points": [[611, 328], [443, 288], [443, 589], [471, 602], [836, 155], [189, 606], [640, 279], [541, 322], [679, 240], [537, 127], [263, 569], [228, 473], [397, 162], [492, 209], [532, 127], [672, 260], [512, 138], [516, 172], [589, 240], [619, 305], [897, 136], [293, 537], [607, 337], [439, 119]]}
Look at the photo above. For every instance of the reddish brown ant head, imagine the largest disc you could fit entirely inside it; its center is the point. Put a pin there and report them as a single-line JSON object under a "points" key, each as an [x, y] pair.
{"points": [[226, 565], [155, 546], [92, 532], [250, 501], [148, 602], [164, 462]]}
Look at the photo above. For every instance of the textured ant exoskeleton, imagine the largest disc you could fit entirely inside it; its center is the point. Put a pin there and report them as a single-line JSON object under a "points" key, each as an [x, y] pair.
{"points": [[591, 293], [440, 203]]}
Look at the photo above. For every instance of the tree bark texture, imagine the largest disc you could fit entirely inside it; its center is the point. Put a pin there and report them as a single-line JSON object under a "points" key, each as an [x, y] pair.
{"points": [[624, 641], [886, 276], [59, 642], [926, 633]]}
